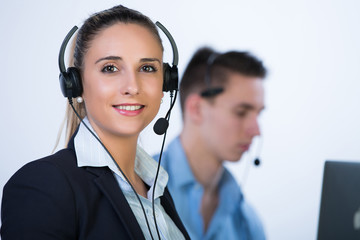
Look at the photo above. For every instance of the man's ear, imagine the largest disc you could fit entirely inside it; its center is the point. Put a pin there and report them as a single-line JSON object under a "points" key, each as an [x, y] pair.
{"points": [[193, 108]]}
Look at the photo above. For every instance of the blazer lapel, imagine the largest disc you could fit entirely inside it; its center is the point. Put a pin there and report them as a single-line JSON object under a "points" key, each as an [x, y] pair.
{"points": [[108, 185]]}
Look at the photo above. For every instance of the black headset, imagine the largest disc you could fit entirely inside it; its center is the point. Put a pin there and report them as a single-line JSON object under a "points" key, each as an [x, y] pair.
{"points": [[70, 78], [210, 91]]}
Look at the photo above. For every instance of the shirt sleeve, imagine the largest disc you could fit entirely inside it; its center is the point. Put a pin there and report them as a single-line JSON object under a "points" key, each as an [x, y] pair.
{"points": [[38, 203]]}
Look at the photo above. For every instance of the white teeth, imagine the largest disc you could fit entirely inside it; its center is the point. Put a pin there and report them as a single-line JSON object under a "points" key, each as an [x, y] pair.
{"points": [[129, 108]]}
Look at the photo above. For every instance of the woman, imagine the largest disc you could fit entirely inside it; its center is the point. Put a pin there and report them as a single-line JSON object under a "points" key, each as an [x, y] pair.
{"points": [[93, 189]]}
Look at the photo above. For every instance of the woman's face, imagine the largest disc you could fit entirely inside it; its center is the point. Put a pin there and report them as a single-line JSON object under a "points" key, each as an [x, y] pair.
{"points": [[122, 80]]}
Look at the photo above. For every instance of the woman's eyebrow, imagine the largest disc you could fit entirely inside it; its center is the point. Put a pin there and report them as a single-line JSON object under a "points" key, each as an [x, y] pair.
{"points": [[108, 58], [150, 60]]}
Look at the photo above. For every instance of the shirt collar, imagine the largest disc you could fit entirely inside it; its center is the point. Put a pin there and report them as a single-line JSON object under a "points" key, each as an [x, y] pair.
{"points": [[90, 153], [182, 174], [230, 190], [179, 169]]}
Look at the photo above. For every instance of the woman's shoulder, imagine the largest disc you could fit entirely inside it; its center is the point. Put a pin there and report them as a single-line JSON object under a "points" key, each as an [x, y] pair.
{"points": [[46, 169], [40, 194], [63, 158]]}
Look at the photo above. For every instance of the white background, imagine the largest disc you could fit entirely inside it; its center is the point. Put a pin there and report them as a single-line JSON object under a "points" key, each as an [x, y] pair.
{"points": [[312, 51]]}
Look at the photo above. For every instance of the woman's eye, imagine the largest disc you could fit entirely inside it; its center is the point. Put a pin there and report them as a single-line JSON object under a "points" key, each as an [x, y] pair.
{"points": [[109, 69], [148, 68]]}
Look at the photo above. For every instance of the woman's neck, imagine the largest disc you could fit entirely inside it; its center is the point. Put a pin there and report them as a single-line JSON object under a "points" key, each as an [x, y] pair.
{"points": [[121, 148]]}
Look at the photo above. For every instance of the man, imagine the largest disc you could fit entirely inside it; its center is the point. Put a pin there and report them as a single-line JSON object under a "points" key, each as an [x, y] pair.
{"points": [[221, 98]]}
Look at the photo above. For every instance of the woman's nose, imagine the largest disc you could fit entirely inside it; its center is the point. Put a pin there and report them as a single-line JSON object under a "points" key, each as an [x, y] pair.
{"points": [[131, 84]]}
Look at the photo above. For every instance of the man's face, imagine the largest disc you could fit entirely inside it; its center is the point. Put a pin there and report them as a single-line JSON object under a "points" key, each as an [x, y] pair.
{"points": [[230, 121]]}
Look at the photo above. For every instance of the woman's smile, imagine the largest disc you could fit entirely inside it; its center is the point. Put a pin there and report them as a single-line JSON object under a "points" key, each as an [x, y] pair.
{"points": [[129, 109]]}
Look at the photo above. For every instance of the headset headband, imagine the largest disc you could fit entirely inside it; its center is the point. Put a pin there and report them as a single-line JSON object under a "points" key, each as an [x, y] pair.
{"points": [[172, 42], [63, 47]]}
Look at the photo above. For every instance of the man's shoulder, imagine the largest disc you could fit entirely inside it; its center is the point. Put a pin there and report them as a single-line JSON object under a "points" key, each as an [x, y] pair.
{"points": [[170, 152]]}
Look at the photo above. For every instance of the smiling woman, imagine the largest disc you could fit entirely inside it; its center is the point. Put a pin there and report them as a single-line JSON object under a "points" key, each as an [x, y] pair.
{"points": [[102, 185], [122, 81]]}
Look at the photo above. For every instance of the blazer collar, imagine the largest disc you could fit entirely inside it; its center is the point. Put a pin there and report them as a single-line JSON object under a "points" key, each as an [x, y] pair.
{"points": [[107, 184], [110, 188]]}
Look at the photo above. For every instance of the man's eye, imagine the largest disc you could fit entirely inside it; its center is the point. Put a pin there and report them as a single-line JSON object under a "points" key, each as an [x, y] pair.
{"points": [[148, 68], [241, 113], [109, 69]]}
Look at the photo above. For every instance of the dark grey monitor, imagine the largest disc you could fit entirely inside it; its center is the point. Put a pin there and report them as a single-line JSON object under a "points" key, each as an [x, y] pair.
{"points": [[339, 216]]}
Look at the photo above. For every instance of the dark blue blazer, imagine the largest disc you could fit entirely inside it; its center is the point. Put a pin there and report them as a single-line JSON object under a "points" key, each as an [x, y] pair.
{"points": [[53, 198]]}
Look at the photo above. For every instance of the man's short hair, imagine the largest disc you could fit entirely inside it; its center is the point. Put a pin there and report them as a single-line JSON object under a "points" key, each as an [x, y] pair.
{"points": [[193, 79]]}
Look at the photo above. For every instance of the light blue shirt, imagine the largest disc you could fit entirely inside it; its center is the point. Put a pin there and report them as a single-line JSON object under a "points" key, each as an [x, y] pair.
{"points": [[234, 218], [89, 152]]}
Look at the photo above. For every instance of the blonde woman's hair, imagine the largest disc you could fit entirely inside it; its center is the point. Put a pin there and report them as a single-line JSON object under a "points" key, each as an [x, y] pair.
{"points": [[72, 121]]}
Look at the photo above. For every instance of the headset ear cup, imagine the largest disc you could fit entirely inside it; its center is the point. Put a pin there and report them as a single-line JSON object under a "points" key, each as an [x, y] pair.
{"points": [[166, 79], [63, 83], [171, 78], [70, 83], [75, 76]]}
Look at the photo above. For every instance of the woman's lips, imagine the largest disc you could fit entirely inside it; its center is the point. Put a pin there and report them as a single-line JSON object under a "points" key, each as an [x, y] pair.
{"points": [[129, 109]]}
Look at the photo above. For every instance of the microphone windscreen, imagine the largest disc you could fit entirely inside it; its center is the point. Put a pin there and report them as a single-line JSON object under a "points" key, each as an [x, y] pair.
{"points": [[161, 126]]}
